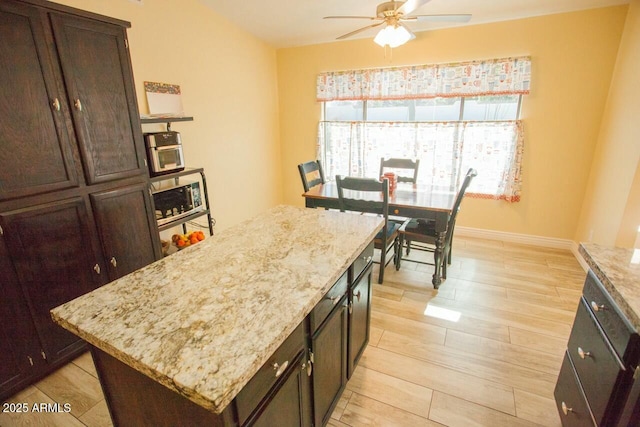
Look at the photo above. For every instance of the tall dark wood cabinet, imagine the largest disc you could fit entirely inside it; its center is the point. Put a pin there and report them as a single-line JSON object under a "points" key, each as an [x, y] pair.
{"points": [[75, 206]]}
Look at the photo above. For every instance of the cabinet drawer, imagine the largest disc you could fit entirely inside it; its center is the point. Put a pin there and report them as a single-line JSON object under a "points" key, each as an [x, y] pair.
{"points": [[595, 362], [571, 403], [361, 262], [613, 322], [258, 387], [330, 300]]}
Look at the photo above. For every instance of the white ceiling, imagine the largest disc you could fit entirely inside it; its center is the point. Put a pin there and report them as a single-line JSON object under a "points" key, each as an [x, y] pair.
{"points": [[288, 23]]}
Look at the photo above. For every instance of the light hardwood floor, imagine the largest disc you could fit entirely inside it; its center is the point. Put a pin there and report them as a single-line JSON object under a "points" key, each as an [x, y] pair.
{"points": [[483, 350]]}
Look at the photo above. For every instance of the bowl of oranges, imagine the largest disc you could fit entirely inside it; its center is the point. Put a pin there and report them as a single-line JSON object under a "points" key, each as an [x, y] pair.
{"points": [[182, 241]]}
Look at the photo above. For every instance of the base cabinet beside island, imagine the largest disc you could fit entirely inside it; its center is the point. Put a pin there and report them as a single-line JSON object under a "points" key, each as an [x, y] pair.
{"points": [[596, 381]]}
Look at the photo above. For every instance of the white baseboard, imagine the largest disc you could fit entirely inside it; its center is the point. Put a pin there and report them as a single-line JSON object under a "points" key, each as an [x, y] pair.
{"points": [[524, 239]]}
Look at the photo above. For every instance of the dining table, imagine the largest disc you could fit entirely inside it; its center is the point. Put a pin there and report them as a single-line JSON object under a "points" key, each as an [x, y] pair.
{"points": [[408, 200]]}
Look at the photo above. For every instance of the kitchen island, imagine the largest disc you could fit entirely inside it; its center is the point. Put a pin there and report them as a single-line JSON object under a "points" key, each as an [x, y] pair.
{"points": [[195, 334]]}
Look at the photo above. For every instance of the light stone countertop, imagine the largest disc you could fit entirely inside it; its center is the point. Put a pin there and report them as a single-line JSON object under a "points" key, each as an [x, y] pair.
{"points": [[204, 320], [619, 271]]}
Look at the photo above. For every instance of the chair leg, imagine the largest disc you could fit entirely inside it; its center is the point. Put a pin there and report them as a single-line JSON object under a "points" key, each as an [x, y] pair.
{"points": [[449, 256], [408, 247], [399, 253], [383, 261]]}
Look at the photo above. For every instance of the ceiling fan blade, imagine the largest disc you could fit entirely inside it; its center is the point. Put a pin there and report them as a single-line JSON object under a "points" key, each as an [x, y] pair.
{"points": [[411, 5], [440, 18], [352, 17], [413, 36], [359, 30]]}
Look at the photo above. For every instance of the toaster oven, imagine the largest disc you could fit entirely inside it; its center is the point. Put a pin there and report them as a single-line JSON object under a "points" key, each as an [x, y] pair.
{"points": [[174, 201], [164, 152]]}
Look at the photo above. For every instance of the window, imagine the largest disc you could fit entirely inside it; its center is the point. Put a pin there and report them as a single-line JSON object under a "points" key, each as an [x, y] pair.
{"points": [[452, 117]]}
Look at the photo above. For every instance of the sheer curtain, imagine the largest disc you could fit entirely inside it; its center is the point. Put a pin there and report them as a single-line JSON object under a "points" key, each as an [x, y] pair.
{"points": [[446, 151]]}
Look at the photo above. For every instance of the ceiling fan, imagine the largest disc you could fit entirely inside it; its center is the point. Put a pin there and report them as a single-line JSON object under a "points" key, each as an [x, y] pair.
{"points": [[394, 14]]}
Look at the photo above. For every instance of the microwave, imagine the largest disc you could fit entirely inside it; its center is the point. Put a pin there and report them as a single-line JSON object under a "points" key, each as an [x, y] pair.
{"points": [[164, 152], [175, 201]]}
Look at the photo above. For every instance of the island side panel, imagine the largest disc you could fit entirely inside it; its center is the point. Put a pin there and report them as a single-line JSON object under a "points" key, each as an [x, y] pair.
{"points": [[135, 399]]}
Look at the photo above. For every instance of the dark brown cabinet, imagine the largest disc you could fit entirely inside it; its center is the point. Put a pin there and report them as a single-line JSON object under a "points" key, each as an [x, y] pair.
{"points": [[75, 205], [598, 369], [329, 349], [94, 60], [359, 317], [36, 153], [126, 228]]}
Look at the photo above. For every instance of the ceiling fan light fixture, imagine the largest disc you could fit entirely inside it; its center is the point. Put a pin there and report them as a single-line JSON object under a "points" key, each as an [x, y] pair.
{"points": [[393, 36]]}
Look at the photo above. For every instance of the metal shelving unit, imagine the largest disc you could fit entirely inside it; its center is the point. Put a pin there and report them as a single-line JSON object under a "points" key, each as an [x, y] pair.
{"points": [[207, 209]]}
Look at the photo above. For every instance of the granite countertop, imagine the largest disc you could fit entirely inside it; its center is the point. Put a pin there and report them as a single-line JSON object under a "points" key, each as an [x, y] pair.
{"points": [[619, 271], [204, 320]]}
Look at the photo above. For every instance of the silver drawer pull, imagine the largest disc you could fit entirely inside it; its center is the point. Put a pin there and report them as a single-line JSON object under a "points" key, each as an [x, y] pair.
{"points": [[357, 296], [596, 307], [280, 368], [96, 268], [77, 104], [566, 409], [56, 104], [583, 354], [113, 261], [367, 259], [334, 300]]}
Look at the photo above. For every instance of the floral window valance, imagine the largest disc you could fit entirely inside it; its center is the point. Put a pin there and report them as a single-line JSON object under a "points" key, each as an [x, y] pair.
{"points": [[506, 76]]}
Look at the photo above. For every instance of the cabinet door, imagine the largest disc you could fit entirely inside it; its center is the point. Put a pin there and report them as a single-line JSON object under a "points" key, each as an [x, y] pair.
{"points": [[53, 253], [36, 154], [99, 81], [359, 318], [329, 348], [289, 405], [126, 228], [19, 346]]}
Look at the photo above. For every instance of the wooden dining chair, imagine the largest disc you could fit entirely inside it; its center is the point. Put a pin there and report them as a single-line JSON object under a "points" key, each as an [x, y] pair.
{"points": [[311, 174], [371, 196], [423, 231], [401, 164]]}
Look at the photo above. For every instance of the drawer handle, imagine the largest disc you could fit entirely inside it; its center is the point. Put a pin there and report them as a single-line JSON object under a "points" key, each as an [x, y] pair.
{"points": [[566, 409], [113, 261], [280, 368], [596, 307], [583, 354], [357, 295], [334, 300], [96, 268], [367, 259]]}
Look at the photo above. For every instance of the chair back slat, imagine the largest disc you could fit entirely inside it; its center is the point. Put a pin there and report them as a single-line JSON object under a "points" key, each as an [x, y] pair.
{"points": [[311, 174], [471, 173], [363, 195], [407, 164]]}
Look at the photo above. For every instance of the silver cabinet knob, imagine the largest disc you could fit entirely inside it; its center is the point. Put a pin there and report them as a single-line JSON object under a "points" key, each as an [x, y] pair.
{"points": [[596, 307], [113, 261], [357, 295], [566, 409], [56, 104], [96, 268], [78, 104], [583, 354], [280, 368]]}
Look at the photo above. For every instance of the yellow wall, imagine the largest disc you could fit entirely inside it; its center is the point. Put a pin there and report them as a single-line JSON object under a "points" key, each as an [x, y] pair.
{"points": [[573, 56], [612, 202], [229, 85]]}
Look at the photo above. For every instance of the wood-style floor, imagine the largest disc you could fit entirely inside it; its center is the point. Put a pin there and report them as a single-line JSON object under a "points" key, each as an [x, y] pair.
{"points": [[483, 350]]}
